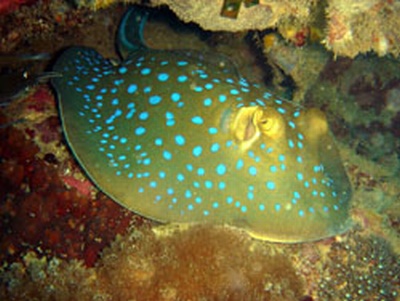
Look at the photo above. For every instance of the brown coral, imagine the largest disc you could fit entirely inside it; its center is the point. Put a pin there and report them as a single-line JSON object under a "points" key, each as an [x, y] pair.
{"points": [[201, 263]]}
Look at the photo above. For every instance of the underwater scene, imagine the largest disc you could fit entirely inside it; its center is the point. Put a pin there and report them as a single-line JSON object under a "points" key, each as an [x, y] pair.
{"points": [[200, 150]]}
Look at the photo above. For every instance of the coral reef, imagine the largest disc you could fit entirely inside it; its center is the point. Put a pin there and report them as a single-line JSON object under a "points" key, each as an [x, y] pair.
{"points": [[365, 97], [363, 26], [362, 268], [301, 65], [59, 233], [202, 263], [346, 29]]}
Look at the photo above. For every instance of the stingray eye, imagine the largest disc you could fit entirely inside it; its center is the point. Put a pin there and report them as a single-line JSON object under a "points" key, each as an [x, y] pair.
{"points": [[265, 124]]}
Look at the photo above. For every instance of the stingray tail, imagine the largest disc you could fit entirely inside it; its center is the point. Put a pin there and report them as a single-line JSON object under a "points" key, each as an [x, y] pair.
{"points": [[130, 31]]}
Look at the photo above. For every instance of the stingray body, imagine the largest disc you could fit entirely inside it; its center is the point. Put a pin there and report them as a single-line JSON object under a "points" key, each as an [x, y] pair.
{"points": [[180, 136]]}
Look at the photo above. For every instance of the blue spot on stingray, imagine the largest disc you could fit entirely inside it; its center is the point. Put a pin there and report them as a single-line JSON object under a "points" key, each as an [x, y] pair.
{"points": [[221, 169], [197, 120], [281, 110], [179, 140], [198, 89], [197, 151], [175, 97], [214, 147], [201, 171], [170, 118], [145, 71], [270, 185], [182, 78], [132, 89], [158, 141], [122, 70], [212, 130], [317, 168], [252, 170], [239, 164], [234, 92], [222, 98], [167, 155], [144, 116], [154, 100], [162, 77], [207, 102], [118, 82]]}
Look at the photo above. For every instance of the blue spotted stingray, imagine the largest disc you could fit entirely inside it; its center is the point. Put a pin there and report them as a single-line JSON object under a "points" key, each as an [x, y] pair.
{"points": [[179, 136]]}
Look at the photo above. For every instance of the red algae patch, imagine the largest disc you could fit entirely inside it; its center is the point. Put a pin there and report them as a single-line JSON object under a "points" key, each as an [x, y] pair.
{"points": [[44, 206]]}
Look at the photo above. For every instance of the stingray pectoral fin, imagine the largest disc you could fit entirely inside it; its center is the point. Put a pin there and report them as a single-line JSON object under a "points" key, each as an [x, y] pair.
{"points": [[329, 157], [331, 161], [317, 123], [327, 151]]}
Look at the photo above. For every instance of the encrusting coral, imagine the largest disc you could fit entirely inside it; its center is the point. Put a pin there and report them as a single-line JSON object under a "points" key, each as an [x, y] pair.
{"points": [[201, 263], [362, 268], [345, 28]]}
